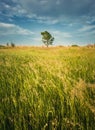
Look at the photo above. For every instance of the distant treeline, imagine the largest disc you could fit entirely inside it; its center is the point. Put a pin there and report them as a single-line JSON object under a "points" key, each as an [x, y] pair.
{"points": [[8, 45], [12, 45]]}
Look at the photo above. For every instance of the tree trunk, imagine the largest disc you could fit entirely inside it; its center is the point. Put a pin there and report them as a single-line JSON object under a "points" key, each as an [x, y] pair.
{"points": [[47, 44]]}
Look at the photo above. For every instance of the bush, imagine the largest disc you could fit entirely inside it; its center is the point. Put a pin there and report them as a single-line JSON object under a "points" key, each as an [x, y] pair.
{"points": [[75, 45]]}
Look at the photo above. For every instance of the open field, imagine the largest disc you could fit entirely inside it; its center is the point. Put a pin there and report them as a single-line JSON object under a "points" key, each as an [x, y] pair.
{"points": [[47, 88]]}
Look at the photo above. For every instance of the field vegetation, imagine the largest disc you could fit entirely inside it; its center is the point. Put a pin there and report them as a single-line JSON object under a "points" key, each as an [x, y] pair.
{"points": [[47, 88]]}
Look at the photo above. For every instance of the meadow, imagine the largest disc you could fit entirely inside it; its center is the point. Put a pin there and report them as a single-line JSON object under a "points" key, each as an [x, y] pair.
{"points": [[47, 88]]}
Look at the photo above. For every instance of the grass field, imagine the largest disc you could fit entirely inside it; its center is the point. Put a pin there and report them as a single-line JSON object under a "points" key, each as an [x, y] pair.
{"points": [[47, 88]]}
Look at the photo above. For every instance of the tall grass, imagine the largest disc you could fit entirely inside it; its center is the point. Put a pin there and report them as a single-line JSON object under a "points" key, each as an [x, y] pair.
{"points": [[47, 89]]}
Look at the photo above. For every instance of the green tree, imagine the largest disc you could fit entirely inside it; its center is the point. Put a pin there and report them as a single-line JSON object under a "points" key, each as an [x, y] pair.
{"points": [[7, 44], [12, 44], [47, 38]]}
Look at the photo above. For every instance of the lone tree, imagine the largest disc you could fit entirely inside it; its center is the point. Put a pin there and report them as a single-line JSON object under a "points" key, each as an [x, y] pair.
{"points": [[47, 38]]}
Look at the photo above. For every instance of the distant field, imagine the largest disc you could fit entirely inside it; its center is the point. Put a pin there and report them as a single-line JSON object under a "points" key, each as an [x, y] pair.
{"points": [[47, 88]]}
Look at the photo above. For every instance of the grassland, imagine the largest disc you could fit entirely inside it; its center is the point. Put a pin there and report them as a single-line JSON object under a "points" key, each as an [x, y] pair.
{"points": [[47, 89]]}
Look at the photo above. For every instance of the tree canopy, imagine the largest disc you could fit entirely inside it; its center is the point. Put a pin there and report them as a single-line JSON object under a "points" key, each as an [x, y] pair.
{"points": [[47, 38]]}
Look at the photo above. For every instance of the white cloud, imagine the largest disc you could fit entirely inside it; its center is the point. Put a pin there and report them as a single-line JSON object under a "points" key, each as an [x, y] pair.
{"points": [[58, 2], [6, 25], [16, 10], [43, 19], [86, 28], [19, 10], [61, 37], [7, 29], [51, 8], [67, 35], [47, 20], [62, 34], [43, 2], [37, 39], [7, 6]]}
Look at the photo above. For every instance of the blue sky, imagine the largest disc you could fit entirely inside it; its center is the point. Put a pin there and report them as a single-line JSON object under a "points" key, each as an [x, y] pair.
{"points": [[69, 21]]}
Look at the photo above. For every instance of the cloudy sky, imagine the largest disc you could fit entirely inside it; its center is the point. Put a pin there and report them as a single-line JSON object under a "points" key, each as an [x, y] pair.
{"points": [[69, 21]]}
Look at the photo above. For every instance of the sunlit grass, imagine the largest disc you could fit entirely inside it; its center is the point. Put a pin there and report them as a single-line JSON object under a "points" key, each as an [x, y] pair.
{"points": [[47, 89]]}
